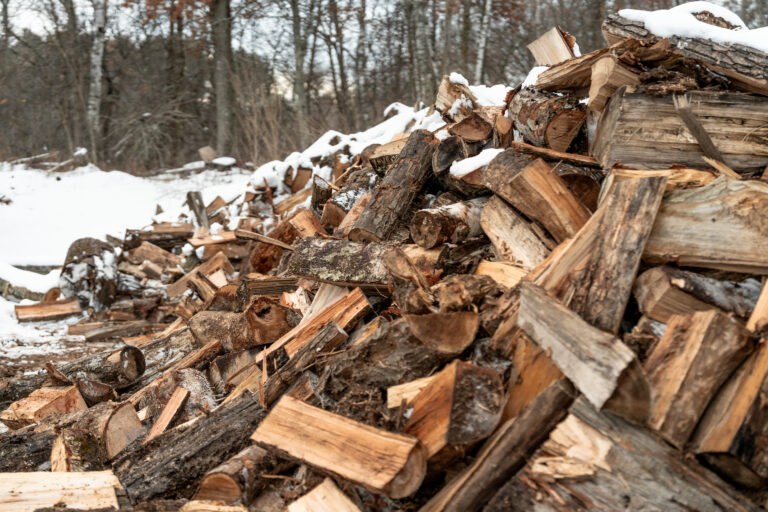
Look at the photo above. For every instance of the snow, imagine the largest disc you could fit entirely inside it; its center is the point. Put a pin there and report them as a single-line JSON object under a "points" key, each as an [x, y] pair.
{"points": [[80, 152], [32, 281], [19, 340], [463, 167], [533, 76], [224, 161], [273, 173], [493, 96], [49, 211], [456, 107], [458, 78], [680, 21]]}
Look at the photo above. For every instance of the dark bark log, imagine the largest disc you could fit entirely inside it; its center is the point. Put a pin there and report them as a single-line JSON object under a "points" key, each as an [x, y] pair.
{"points": [[357, 184], [632, 470], [339, 262], [394, 194], [173, 461], [745, 66], [452, 223], [547, 119], [504, 453]]}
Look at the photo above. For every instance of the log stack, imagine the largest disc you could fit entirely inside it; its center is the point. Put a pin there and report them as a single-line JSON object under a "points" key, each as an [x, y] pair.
{"points": [[579, 326]]}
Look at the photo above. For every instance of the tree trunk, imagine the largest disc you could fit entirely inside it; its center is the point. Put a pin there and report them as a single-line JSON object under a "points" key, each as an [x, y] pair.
{"points": [[299, 89], [485, 28], [97, 61], [222, 47]]}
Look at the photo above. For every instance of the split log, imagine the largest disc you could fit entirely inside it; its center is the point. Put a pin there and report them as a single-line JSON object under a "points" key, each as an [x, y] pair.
{"points": [[449, 150], [29, 492], [196, 204], [345, 311], [459, 407], [454, 100], [759, 317], [170, 463], [170, 412], [452, 223], [665, 291], [98, 436], [547, 119], [265, 256], [322, 498], [541, 195], [357, 184], [605, 370], [504, 453], [218, 261], [599, 462], [394, 194], [226, 366], [596, 269], [237, 480], [410, 289], [406, 392], [553, 47], [473, 128], [576, 74], [47, 310], [253, 285], [504, 273], [41, 403], [116, 368], [718, 226], [166, 235], [406, 349], [692, 360], [617, 139], [385, 462], [76, 450], [321, 193], [511, 235], [306, 224], [348, 222], [725, 438], [743, 65], [608, 74]]}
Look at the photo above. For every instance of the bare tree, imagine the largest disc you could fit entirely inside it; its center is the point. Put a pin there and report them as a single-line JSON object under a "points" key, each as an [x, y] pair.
{"points": [[97, 62], [222, 47], [485, 27]]}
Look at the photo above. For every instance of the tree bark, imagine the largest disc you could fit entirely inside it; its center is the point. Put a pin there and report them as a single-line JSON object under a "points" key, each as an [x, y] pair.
{"points": [[174, 460], [485, 28], [394, 194], [222, 47], [97, 61]]}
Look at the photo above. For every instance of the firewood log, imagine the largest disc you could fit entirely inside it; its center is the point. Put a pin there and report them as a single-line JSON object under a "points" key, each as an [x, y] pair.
{"points": [[236, 481], [665, 291], [357, 184], [41, 403], [43, 491], [394, 194], [452, 223], [600, 462], [696, 355], [717, 226], [547, 119], [511, 235], [460, 406], [385, 462], [504, 453], [325, 496], [605, 370], [540, 194]]}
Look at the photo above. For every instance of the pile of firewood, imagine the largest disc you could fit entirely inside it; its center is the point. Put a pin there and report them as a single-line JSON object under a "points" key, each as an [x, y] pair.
{"points": [[576, 325]]}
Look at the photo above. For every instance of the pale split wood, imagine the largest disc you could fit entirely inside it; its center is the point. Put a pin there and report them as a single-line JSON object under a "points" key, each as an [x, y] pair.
{"points": [[406, 391], [511, 235], [393, 464], [324, 498], [170, 410], [551, 48], [26, 492]]}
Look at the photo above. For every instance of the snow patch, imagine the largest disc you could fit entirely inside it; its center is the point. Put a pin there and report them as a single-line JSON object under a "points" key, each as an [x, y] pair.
{"points": [[32, 281], [224, 161], [680, 21], [533, 76], [458, 78], [494, 96], [464, 167]]}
